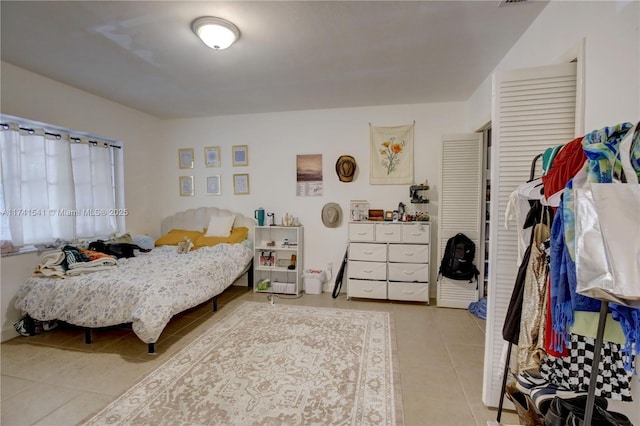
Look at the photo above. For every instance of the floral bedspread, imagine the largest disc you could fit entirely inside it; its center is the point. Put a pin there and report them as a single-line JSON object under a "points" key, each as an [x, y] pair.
{"points": [[146, 290]]}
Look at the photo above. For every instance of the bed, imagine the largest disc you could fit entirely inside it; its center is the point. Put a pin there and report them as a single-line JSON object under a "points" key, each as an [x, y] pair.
{"points": [[146, 290]]}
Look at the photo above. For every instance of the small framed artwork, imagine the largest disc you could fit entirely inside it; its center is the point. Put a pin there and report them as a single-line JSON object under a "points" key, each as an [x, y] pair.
{"points": [[240, 154], [185, 158], [213, 185], [212, 156], [186, 186], [267, 258], [388, 215], [241, 184]]}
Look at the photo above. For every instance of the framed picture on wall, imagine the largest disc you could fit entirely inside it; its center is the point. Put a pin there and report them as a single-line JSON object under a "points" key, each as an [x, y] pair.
{"points": [[186, 186], [212, 156], [240, 155], [185, 158], [213, 185], [241, 184]]}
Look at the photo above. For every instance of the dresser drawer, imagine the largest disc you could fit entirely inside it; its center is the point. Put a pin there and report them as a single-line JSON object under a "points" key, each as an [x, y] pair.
{"points": [[368, 289], [388, 233], [416, 233], [367, 270], [370, 252], [361, 232], [408, 291], [409, 253], [409, 272]]}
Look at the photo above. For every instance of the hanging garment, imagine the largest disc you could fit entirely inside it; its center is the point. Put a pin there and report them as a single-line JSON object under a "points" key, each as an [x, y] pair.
{"points": [[607, 230], [549, 156], [564, 299], [549, 342], [565, 165], [511, 327], [574, 371], [516, 211], [531, 341], [601, 148]]}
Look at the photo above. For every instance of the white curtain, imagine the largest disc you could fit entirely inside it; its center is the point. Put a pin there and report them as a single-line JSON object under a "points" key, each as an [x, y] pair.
{"points": [[54, 188], [94, 192]]}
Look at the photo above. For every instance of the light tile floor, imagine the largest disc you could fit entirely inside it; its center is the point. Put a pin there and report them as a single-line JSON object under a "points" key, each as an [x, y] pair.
{"points": [[56, 379]]}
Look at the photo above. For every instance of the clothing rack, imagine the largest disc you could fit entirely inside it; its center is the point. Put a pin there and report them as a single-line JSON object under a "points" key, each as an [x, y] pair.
{"points": [[532, 171], [597, 353], [503, 389], [591, 394]]}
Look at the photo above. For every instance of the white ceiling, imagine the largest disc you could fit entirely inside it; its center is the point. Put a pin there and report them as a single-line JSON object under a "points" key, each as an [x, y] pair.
{"points": [[292, 55]]}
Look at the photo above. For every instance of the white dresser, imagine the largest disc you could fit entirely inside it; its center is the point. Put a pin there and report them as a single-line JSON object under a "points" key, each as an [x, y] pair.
{"points": [[389, 260]]}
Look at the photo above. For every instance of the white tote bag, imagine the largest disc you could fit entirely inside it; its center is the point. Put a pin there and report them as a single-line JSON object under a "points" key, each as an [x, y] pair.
{"points": [[608, 236]]}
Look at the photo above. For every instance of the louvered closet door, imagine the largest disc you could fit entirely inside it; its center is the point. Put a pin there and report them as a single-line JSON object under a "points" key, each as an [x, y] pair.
{"points": [[533, 109], [460, 209]]}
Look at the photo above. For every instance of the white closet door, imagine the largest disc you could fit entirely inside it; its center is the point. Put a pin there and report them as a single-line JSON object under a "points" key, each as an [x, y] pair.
{"points": [[532, 109], [460, 209]]}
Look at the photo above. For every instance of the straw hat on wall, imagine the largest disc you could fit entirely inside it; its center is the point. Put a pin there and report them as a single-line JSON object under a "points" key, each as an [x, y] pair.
{"points": [[331, 215], [346, 168]]}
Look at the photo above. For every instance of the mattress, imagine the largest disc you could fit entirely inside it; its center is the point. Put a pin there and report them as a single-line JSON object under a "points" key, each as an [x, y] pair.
{"points": [[146, 290]]}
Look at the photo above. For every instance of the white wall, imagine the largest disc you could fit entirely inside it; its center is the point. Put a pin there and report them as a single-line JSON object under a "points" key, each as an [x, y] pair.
{"points": [[612, 58], [275, 139], [31, 96], [610, 31]]}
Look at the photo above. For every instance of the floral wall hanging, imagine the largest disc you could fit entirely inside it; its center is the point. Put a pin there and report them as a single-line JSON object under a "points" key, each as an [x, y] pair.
{"points": [[391, 155]]}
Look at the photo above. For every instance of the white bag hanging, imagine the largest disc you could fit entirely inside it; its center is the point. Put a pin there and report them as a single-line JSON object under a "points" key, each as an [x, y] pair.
{"points": [[608, 236]]}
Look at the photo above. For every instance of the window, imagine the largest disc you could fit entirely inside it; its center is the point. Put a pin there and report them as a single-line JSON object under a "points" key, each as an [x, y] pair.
{"points": [[57, 184]]}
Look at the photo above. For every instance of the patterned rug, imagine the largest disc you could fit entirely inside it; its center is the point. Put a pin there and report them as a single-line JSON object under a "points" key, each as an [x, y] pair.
{"points": [[276, 364]]}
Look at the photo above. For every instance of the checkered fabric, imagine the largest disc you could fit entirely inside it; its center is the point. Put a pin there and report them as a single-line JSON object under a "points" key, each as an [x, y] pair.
{"points": [[574, 371]]}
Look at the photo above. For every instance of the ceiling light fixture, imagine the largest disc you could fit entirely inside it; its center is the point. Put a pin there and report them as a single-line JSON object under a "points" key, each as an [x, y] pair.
{"points": [[216, 33]]}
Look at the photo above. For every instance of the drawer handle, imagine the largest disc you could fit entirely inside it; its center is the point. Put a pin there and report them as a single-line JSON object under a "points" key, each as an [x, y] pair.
{"points": [[388, 233], [363, 233], [367, 271], [407, 292], [408, 272], [367, 252], [368, 290], [408, 254], [416, 234]]}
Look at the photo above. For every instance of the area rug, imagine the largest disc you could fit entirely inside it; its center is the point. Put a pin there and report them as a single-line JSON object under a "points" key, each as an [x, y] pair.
{"points": [[267, 364]]}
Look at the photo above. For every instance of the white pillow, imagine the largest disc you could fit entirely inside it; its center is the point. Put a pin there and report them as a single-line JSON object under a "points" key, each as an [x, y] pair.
{"points": [[220, 226]]}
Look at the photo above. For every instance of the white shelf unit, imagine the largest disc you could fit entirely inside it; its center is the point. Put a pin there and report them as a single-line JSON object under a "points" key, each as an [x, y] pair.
{"points": [[389, 260], [287, 241]]}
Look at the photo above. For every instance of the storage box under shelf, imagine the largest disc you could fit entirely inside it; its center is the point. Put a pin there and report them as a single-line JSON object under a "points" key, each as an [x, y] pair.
{"points": [[280, 287]]}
